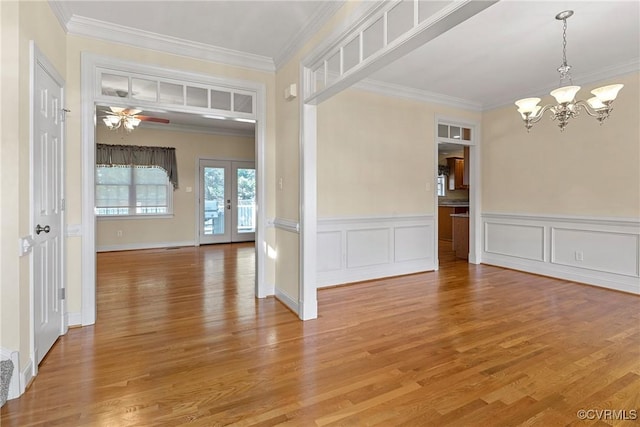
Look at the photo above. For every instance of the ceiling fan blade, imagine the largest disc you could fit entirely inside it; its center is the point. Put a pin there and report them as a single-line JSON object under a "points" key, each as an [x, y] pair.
{"points": [[130, 111], [152, 119]]}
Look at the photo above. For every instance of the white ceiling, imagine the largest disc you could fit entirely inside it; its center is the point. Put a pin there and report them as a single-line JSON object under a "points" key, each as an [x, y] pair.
{"points": [[510, 50]]}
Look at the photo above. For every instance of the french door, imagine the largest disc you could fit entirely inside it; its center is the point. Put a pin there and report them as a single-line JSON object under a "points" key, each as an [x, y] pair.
{"points": [[227, 201]]}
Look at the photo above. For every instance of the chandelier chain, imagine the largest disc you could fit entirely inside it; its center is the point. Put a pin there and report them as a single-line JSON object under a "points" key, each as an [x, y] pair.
{"points": [[565, 69]]}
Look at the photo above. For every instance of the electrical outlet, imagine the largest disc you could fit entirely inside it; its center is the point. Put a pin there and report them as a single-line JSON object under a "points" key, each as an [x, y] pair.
{"points": [[119, 233], [579, 256]]}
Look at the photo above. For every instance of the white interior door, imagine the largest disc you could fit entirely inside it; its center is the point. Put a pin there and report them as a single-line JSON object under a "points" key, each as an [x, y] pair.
{"points": [[47, 157], [227, 201]]}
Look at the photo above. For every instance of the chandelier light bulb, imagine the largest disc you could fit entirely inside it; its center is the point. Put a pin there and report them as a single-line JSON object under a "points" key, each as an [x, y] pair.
{"points": [[527, 105], [595, 103], [565, 94], [607, 93]]}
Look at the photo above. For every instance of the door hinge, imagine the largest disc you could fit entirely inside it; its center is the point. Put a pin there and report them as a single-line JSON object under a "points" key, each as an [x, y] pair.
{"points": [[63, 293], [63, 204], [63, 114]]}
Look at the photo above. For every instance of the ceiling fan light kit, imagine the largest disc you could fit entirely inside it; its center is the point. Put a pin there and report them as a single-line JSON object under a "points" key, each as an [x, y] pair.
{"points": [[126, 118], [599, 106]]}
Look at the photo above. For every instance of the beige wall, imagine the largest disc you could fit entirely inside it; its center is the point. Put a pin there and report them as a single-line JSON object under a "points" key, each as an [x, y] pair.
{"points": [[189, 147], [288, 159], [376, 154], [587, 170], [21, 22]]}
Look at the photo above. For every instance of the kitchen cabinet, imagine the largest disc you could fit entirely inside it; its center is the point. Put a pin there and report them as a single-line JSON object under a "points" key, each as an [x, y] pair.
{"points": [[445, 223], [456, 173], [461, 235]]}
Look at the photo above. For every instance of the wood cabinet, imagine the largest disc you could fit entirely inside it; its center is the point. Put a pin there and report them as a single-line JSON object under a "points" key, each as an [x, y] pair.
{"points": [[445, 223], [461, 236], [456, 173]]}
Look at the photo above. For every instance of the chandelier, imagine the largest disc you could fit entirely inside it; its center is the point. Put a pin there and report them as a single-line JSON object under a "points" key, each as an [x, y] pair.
{"points": [[599, 106], [121, 118]]}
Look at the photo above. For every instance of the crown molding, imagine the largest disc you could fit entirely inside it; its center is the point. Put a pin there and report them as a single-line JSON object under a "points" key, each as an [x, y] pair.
{"points": [[93, 28], [612, 71], [61, 11], [398, 91], [319, 18]]}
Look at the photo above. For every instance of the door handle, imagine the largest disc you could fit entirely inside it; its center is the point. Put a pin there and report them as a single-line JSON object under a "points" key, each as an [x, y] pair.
{"points": [[228, 206], [40, 229]]}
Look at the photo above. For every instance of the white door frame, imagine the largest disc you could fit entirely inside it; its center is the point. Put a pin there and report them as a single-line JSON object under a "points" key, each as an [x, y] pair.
{"points": [[475, 227], [91, 95], [37, 58]]}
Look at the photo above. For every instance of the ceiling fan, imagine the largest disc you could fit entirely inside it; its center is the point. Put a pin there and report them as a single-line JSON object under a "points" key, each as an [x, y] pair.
{"points": [[127, 118]]}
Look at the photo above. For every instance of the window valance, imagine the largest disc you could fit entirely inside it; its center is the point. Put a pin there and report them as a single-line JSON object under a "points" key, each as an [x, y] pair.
{"points": [[134, 155]]}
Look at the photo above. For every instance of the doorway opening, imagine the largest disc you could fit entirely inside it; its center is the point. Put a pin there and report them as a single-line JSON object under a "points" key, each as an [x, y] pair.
{"points": [[115, 82], [456, 191]]}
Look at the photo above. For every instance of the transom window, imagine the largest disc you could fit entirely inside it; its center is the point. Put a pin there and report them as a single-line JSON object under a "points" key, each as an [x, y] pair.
{"points": [[133, 190]]}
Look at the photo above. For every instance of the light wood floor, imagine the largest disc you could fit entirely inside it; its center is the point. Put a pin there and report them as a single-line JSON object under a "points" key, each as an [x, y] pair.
{"points": [[180, 339]]}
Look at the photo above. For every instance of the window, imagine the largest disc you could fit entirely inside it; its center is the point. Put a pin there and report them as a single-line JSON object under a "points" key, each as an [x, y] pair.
{"points": [[441, 185], [131, 190]]}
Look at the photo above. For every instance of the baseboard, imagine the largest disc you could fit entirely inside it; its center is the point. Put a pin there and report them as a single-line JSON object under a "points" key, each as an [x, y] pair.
{"points": [[138, 246], [602, 252], [26, 376], [333, 278], [287, 300], [622, 284], [74, 319], [14, 385]]}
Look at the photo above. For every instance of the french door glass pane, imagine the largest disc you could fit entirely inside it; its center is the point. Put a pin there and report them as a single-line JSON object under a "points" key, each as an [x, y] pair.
{"points": [[246, 200], [214, 206]]}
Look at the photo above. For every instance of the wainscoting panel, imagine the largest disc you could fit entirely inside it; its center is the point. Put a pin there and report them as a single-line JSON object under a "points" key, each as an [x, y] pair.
{"points": [[367, 247], [413, 242], [603, 252], [330, 245], [596, 250], [519, 240], [355, 249]]}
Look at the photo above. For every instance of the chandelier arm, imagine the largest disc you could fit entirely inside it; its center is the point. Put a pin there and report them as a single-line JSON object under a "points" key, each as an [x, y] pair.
{"points": [[594, 112], [538, 117]]}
